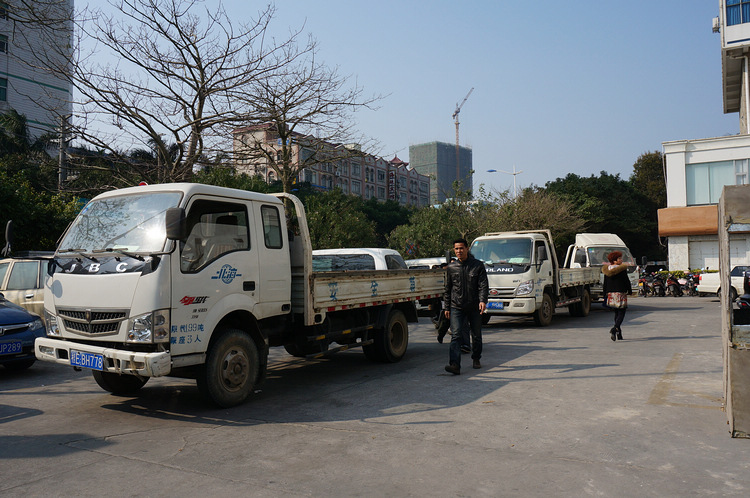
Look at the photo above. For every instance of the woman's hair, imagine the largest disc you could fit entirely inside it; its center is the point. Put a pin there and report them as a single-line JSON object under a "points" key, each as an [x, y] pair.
{"points": [[614, 256]]}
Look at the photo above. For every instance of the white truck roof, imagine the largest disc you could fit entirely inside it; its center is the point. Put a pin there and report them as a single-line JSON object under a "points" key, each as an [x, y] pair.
{"points": [[598, 239]]}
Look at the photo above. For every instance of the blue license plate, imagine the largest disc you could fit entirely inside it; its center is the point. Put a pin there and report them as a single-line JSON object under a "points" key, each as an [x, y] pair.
{"points": [[495, 305], [86, 360], [11, 347]]}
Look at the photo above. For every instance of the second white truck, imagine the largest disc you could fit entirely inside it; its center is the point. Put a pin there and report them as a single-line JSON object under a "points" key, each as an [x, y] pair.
{"points": [[525, 277]]}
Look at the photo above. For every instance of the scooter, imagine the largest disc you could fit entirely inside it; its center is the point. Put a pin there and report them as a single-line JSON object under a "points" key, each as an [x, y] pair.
{"points": [[674, 288], [657, 286]]}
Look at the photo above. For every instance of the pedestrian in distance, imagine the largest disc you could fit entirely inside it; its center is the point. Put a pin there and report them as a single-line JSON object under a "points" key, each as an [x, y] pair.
{"points": [[616, 289], [464, 302]]}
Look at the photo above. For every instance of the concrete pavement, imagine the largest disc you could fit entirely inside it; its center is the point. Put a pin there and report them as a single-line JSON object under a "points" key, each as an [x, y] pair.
{"points": [[560, 410]]}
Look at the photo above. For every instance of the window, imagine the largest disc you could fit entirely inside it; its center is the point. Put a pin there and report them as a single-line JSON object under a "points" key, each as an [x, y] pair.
{"points": [[740, 171], [3, 271], [25, 275], [395, 262], [3, 44], [271, 227], [381, 192], [3, 89], [738, 12], [214, 229], [355, 187], [381, 176], [356, 170], [705, 181], [3, 10]]}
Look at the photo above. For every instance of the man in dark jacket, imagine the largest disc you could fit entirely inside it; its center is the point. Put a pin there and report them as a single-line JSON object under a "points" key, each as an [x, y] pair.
{"points": [[464, 301]]}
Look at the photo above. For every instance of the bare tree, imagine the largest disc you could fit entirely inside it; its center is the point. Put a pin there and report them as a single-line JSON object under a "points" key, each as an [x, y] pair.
{"points": [[304, 115], [170, 77]]}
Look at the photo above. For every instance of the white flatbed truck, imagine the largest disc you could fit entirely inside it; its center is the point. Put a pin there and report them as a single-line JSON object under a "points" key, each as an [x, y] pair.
{"points": [[525, 277], [197, 281]]}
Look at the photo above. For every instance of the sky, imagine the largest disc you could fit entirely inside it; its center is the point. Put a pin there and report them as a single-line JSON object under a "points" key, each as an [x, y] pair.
{"points": [[559, 86]]}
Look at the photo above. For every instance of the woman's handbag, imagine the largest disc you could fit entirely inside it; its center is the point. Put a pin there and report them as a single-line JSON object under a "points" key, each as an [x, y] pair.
{"points": [[617, 300]]}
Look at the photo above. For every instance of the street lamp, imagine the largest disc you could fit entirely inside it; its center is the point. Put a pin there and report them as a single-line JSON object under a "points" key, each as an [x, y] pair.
{"points": [[514, 173]]}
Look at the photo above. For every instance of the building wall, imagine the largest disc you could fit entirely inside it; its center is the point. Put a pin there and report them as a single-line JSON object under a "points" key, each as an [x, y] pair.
{"points": [[438, 161], [692, 238], [39, 95]]}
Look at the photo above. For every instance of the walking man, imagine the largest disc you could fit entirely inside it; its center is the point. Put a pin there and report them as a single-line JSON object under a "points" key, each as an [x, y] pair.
{"points": [[464, 301]]}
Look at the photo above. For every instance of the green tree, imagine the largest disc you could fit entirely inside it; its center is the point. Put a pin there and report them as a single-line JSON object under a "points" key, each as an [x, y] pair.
{"points": [[386, 216], [648, 177], [224, 176], [337, 220]]}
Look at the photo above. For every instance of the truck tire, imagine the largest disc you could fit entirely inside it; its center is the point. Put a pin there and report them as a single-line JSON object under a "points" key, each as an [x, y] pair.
{"points": [[543, 316], [231, 369], [298, 351], [391, 342], [583, 307], [121, 385]]}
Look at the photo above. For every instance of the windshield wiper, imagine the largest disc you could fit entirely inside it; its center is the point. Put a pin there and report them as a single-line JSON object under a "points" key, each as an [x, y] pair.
{"points": [[120, 251], [77, 251]]}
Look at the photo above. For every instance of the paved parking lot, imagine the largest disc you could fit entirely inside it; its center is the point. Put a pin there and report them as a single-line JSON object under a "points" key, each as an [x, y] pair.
{"points": [[555, 411]]}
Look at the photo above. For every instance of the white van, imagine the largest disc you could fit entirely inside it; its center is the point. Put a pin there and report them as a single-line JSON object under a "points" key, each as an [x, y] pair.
{"points": [[425, 262], [591, 249], [359, 258]]}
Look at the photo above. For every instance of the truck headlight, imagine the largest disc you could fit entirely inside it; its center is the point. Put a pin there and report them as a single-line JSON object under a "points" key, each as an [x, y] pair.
{"points": [[525, 288], [53, 330], [149, 327]]}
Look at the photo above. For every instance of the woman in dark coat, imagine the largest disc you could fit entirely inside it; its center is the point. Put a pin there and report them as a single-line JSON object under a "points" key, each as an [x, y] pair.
{"points": [[616, 290]]}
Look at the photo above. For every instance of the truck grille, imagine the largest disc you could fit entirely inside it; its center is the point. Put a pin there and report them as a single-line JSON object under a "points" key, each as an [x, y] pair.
{"points": [[502, 292], [92, 322]]}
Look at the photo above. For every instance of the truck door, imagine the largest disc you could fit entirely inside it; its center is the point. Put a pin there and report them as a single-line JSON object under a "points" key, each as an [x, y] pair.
{"points": [[273, 251], [217, 270], [544, 273]]}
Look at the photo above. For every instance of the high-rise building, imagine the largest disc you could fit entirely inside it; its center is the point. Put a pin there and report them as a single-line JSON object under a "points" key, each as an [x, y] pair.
{"points": [[439, 161], [25, 85]]}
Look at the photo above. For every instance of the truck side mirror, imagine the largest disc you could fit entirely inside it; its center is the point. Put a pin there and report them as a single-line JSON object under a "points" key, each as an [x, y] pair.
{"points": [[541, 254], [176, 225], [8, 239]]}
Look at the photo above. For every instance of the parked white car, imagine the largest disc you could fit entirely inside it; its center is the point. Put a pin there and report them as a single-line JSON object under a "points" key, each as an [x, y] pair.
{"points": [[709, 283], [359, 258]]}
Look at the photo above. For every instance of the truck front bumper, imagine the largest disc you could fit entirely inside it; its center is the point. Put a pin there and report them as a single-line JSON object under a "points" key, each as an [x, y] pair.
{"points": [[513, 306], [115, 360]]}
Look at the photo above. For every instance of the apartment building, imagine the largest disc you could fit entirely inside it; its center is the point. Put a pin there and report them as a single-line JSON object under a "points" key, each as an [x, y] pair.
{"points": [[25, 86], [330, 166]]}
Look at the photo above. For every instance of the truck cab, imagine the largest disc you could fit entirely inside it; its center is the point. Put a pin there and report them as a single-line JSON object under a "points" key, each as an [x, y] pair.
{"points": [[590, 250]]}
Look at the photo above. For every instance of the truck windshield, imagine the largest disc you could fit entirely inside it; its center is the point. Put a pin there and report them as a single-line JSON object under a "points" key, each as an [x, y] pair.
{"points": [[132, 223], [598, 255], [502, 251]]}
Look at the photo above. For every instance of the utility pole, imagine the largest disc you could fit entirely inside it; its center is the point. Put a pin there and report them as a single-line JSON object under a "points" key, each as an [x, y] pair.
{"points": [[63, 156], [455, 116]]}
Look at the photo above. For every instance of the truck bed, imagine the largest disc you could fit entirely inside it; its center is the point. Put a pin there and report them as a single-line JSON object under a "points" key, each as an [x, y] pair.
{"points": [[579, 276], [333, 291]]}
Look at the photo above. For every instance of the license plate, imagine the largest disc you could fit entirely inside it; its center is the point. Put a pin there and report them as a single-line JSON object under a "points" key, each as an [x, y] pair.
{"points": [[86, 360], [495, 305], [10, 347]]}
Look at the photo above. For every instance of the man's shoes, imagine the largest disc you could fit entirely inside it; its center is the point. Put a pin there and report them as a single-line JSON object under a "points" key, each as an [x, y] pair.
{"points": [[619, 334], [453, 368], [613, 334], [465, 349], [477, 364]]}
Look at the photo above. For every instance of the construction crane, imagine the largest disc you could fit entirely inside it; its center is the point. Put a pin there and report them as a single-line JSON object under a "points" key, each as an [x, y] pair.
{"points": [[455, 117]]}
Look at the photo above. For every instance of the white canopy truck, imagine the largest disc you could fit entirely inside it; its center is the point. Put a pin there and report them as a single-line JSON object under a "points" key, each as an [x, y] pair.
{"points": [[197, 281], [526, 279], [591, 250]]}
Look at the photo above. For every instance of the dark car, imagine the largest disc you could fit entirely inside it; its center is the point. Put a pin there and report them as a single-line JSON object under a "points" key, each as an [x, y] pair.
{"points": [[18, 331]]}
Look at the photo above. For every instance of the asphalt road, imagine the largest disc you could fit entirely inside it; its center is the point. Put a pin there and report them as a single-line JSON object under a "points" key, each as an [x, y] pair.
{"points": [[555, 411]]}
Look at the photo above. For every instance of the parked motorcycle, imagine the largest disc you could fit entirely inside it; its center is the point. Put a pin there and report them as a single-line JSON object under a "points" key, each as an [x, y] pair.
{"points": [[644, 286], [674, 288], [691, 287], [658, 287]]}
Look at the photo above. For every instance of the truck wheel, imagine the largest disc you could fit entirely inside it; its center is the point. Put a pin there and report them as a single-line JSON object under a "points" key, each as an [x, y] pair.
{"points": [[298, 351], [583, 307], [543, 316], [121, 385], [390, 343], [231, 369]]}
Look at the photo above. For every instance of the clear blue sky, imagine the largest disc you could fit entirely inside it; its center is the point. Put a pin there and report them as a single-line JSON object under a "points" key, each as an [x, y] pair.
{"points": [[560, 87]]}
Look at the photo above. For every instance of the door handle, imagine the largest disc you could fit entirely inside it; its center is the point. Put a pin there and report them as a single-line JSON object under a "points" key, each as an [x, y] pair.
{"points": [[29, 296]]}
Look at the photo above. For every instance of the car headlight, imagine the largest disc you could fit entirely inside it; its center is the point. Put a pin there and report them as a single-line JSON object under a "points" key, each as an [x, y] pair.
{"points": [[36, 324], [53, 330], [149, 327], [525, 288]]}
